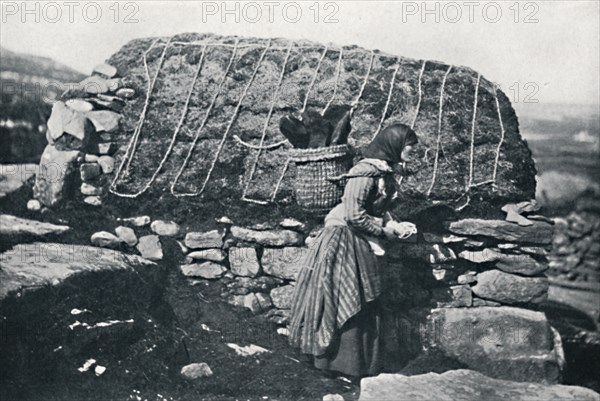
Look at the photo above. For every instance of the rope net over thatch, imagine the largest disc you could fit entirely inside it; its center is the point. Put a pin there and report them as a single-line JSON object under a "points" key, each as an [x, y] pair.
{"points": [[205, 118]]}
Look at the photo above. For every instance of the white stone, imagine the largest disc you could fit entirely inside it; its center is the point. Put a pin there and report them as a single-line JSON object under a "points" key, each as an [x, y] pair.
{"points": [[165, 228], [93, 200], [90, 190], [138, 221], [127, 235], [150, 248], [105, 239], [34, 205], [107, 164], [196, 371]]}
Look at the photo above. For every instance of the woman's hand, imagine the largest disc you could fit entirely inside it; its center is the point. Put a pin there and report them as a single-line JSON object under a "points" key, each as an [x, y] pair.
{"points": [[390, 233], [402, 230]]}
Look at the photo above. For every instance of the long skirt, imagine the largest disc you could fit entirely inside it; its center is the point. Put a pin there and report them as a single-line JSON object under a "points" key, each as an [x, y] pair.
{"points": [[335, 315]]}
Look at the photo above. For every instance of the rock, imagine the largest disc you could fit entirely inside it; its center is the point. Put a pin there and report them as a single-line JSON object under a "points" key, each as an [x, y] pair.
{"points": [[538, 233], [126, 93], [282, 296], [79, 105], [509, 288], [516, 173], [502, 342], [105, 102], [105, 239], [93, 200], [57, 178], [213, 255], [64, 121], [106, 148], [165, 228], [150, 248], [36, 265], [430, 253], [207, 270], [90, 171], [507, 246], [278, 316], [196, 371], [244, 262], [525, 207], [292, 224], [12, 225], [210, 239], [268, 237], [138, 221], [514, 217], [283, 262], [453, 297], [34, 205], [510, 263], [94, 85], [333, 397], [484, 302], [445, 239], [90, 190], [249, 284], [113, 84], [224, 220], [126, 235], [106, 70], [89, 158], [465, 385], [250, 301], [248, 350], [104, 120], [467, 278]]}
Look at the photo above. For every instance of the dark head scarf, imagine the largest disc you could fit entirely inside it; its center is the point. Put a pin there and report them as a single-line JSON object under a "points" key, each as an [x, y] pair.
{"points": [[390, 142]]}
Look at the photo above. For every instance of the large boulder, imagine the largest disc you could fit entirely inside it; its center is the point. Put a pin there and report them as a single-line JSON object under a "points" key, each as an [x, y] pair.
{"points": [[30, 266], [58, 176], [502, 342], [446, 164], [510, 288], [12, 225], [465, 385]]}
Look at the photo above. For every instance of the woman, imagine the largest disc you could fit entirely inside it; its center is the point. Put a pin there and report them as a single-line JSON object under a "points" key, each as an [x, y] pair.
{"points": [[335, 316]]}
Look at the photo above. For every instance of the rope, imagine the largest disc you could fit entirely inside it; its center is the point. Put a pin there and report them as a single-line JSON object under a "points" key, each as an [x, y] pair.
{"points": [[265, 147], [229, 125], [267, 120], [389, 99], [202, 124], [314, 79], [337, 80], [147, 102], [420, 94], [285, 167], [150, 86], [473, 125], [439, 136], [364, 84], [175, 132], [501, 134]]}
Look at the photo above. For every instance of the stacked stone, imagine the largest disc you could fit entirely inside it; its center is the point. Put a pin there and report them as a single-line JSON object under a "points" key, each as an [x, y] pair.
{"points": [[576, 248], [483, 281], [258, 264], [80, 139]]}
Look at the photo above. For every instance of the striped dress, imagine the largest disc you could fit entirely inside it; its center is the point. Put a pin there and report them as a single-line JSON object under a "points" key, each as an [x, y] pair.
{"points": [[335, 316]]}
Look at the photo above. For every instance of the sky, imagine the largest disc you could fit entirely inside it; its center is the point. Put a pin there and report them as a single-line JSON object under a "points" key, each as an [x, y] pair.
{"points": [[537, 51]]}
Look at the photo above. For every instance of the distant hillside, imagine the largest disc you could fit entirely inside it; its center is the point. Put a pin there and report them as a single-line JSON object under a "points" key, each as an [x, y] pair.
{"points": [[25, 102]]}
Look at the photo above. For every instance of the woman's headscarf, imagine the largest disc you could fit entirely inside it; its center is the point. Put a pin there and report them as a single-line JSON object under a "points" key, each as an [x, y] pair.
{"points": [[390, 142]]}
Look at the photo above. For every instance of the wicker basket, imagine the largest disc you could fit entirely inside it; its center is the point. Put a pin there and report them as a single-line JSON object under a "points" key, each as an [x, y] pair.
{"points": [[314, 191]]}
